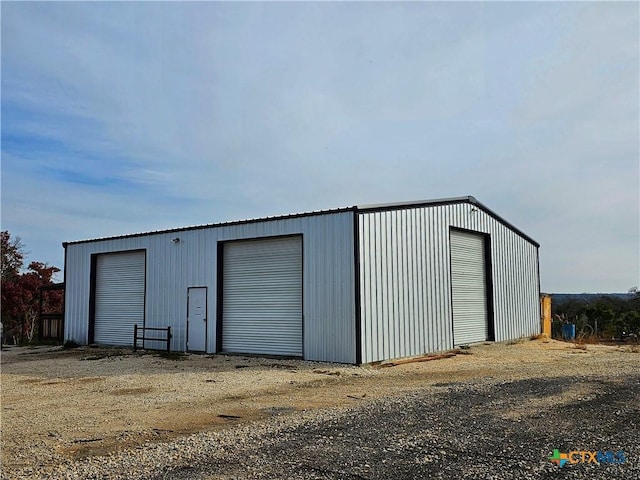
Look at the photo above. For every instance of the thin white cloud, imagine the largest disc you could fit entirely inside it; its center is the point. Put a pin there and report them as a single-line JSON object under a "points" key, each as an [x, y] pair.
{"points": [[133, 116]]}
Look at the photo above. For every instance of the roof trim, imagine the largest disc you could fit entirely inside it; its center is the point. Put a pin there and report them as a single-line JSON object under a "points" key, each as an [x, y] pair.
{"points": [[447, 201], [417, 203], [215, 225], [358, 209]]}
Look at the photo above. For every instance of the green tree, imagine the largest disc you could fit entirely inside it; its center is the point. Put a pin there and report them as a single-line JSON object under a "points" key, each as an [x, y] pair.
{"points": [[12, 256], [608, 316]]}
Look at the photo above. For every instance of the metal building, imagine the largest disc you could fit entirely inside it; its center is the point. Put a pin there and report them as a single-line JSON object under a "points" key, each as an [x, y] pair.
{"points": [[352, 285]]}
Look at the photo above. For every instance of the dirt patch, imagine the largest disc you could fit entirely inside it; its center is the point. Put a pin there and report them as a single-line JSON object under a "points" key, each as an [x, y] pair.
{"points": [[90, 380], [58, 406], [131, 391]]}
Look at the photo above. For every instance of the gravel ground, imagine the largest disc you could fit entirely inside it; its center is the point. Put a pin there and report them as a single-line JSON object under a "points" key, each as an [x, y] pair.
{"points": [[498, 413]]}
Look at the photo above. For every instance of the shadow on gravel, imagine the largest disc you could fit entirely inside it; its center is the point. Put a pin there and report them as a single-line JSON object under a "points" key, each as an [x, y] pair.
{"points": [[489, 430], [101, 360]]}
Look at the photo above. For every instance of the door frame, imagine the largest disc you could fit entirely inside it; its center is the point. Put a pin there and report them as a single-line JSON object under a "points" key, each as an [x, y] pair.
{"points": [[488, 279], [93, 274], [220, 244], [206, 312]]}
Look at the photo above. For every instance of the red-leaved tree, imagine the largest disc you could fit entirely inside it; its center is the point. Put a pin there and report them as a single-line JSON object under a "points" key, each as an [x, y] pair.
{"points": [[21, 291]]}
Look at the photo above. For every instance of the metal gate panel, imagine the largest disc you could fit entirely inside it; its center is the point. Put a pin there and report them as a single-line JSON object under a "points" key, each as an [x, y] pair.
{"points": [[468, 288], [262, 296], [119, 296]]}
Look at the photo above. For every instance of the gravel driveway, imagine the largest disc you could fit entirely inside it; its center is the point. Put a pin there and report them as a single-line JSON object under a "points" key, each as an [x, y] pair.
{"points": [[471, 430], [497, 413]]}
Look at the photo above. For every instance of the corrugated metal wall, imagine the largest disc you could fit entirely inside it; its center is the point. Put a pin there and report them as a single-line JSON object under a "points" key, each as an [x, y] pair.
{"points": [[405, 279], [328, 279]]}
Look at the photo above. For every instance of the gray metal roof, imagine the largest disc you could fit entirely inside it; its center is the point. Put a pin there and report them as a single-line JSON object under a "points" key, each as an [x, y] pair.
{"points": [[417, 203], [357, 208]]}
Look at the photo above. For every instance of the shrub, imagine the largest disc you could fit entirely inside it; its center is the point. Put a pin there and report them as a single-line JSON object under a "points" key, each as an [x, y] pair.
{"points": [[173, 355], [70, 344]]}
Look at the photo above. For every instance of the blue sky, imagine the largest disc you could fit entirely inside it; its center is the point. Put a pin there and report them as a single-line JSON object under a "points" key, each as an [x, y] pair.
{"points": [[128, 117]]}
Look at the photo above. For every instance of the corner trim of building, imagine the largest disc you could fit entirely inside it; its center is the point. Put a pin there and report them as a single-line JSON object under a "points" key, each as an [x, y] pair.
{"points": [[356, 283], [64, 296], [540, 313]]}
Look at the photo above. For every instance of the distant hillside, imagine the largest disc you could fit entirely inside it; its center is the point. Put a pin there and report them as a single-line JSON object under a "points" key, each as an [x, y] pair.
{"points": [[558, 298]]}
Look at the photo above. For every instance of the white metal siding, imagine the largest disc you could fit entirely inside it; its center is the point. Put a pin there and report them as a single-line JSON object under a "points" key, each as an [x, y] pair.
{"points": [[405, 279], [328, 283], [262, 297], [468, 288], [119, 295]]}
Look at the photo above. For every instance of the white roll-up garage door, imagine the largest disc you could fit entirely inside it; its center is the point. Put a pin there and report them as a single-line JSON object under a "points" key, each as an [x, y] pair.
{"points": [[119, 295], [262, 296], [468, 288]]}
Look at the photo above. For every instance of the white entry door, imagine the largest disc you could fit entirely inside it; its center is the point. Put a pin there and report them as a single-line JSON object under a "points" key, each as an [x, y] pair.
{"points": [[197, 319]]}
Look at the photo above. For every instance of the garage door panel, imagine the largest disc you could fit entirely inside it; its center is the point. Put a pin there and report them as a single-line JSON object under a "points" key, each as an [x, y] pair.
{"points": [[262, 297], [119, 297], [468, 288], [264, 324]]}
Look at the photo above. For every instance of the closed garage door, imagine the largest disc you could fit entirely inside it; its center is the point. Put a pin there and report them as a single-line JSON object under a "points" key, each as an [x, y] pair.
{"points": [[262, 297], [469, 288], [119, 294]]}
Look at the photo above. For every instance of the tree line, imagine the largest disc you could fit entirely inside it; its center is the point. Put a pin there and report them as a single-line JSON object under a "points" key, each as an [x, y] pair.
{"points": [[21, 290], [609, 317]]}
